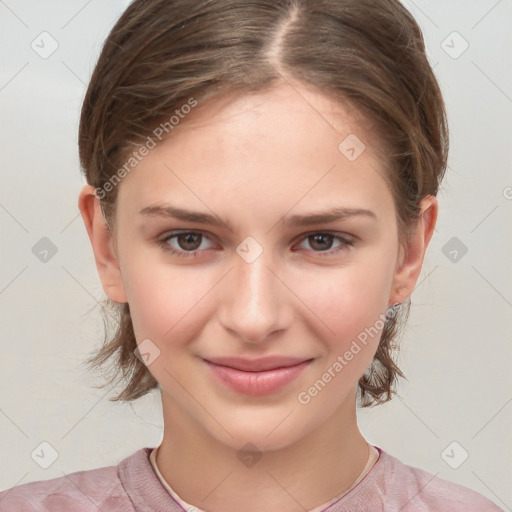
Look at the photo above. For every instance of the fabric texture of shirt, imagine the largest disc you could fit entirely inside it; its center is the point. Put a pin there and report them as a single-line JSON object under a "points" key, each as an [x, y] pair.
{"points": [[133, 486], [373, 457]]}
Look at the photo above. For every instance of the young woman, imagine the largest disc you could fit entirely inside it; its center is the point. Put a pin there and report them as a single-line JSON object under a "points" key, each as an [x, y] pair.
{"points": [[262, 181]]}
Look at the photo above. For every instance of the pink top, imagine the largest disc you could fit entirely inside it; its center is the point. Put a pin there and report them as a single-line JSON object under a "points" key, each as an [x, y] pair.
{"points": [[133, 486], [372, 459]]}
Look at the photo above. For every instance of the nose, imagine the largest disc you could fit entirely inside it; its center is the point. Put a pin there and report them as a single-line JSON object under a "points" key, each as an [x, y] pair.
{"points": [[255, 301]]}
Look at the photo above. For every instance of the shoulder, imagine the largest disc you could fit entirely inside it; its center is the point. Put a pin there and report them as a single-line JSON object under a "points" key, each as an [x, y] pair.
{"points": [[82, 491], [414, 489]]}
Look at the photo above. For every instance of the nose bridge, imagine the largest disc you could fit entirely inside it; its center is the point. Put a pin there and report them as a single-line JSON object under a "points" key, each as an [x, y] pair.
{"points": [[255, 304], [257, 282]]}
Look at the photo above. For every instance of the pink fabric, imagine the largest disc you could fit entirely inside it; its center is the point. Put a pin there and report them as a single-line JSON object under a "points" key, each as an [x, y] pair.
{"points": [[133, 486]]}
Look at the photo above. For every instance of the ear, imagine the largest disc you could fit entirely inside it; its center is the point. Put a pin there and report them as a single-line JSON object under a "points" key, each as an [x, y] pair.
{"points": [[411, 256], [103, 245]]}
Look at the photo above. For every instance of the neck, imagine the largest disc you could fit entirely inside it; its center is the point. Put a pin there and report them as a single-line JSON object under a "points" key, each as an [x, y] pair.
{"points": [[301, 476]]}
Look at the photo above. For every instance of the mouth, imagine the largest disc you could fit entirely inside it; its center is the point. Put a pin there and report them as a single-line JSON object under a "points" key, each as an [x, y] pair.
{"points": [[256, 377], [257, 365]]}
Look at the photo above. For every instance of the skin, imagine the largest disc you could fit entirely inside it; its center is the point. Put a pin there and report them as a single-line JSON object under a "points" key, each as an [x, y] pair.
{"points": [[253, 160]]}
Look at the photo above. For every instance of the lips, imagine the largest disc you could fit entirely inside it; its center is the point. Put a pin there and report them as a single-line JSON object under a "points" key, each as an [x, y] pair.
{"points": [[256, 376], [256, 365]]}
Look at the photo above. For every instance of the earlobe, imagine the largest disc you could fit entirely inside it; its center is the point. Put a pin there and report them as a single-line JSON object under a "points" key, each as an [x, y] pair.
{"points": [[103, 246], [411, 256]]}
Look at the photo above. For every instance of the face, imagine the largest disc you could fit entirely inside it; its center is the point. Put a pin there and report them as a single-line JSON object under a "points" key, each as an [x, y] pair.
{"points": [[269, 277]]}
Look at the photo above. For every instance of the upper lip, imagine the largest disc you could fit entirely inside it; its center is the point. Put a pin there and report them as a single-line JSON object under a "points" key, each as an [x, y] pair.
{"points": [[256, 365]]}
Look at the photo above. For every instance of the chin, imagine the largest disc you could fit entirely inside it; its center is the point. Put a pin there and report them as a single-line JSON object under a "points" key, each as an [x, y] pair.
{"points": [[267, 433], [247, 438]]}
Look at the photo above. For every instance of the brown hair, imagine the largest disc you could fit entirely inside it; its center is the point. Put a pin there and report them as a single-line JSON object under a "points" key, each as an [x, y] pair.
{"points": [[163, 53]]}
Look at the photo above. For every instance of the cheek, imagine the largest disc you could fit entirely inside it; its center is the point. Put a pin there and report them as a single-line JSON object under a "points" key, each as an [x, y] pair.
{"points": [[350, 306], [354, 312], [350, 299], [165, 301]]}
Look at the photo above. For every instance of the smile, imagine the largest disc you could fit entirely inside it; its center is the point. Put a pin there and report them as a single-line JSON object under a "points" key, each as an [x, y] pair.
{"points": [[256, 377]]}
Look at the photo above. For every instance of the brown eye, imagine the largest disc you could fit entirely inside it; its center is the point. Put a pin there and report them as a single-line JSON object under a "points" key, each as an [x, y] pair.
{"points": [[328, 243], [189, 241], [321, 241], [185, 243]]}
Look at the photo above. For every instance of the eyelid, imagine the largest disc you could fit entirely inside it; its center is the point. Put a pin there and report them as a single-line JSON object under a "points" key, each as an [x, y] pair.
{"points": [[338, 234], [163, 241], [175, 233], [346, 240]]}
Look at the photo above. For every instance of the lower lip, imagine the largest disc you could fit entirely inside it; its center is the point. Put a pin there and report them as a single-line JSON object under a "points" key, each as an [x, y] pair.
{"points": [[257, 383]]}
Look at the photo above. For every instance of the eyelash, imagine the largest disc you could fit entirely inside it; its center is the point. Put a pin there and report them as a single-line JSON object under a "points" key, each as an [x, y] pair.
{"points": [[163, 243]]}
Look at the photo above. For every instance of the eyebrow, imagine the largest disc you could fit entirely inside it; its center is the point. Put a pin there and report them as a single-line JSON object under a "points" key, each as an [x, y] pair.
{"points": [[326, 216], [321, 217], [166, 210]]}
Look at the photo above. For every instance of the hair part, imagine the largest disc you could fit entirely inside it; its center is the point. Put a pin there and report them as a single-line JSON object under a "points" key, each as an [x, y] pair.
{"points": [[162, 53]]}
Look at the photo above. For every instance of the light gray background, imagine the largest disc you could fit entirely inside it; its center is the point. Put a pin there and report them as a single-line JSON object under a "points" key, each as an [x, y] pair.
{"points": [[456, 350]]}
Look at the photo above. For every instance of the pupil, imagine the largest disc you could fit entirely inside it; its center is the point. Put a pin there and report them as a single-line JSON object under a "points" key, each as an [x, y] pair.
{"points": [[322, 238], [188, 238]]}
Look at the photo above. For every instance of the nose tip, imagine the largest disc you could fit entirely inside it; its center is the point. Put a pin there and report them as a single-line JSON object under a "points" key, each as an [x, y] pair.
{"points": [[254, 303]]}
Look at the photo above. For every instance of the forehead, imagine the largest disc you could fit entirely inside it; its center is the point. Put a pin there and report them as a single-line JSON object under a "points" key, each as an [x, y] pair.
{"points": [[292, 103], [277, 145]]}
